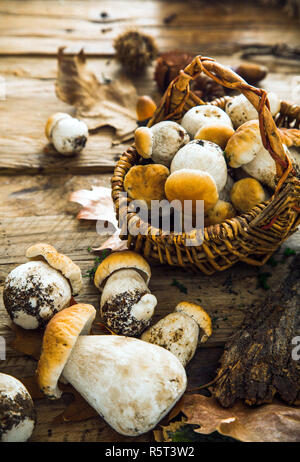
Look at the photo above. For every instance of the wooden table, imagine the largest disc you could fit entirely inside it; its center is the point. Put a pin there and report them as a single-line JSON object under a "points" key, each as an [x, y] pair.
{"points": [[35, 186]]}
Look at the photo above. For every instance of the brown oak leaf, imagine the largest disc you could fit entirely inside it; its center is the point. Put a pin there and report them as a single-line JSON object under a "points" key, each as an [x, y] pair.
{"points": [[274, 422], [98, 205], [28, 342], [97, 104]]}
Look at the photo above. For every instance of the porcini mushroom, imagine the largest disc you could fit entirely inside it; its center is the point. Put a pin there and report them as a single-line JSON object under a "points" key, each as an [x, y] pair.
{"points": [[199, 116], [247, 193], [202, 155], [240, 110], [178, 332], [67, 134], [35, 291], [192, 185], [245, 149], [17, 414], [222, 211], [146, 182], [216, 133], [161, 141], [130, 383], [127, 304]]}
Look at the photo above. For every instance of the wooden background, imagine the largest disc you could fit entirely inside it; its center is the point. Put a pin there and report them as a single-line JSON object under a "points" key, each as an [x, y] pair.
{"points": [[35, 186]]}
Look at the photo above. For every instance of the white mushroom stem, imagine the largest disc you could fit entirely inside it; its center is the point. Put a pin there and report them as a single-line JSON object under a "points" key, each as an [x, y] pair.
{"points": [[178, 332], [130, 383]]}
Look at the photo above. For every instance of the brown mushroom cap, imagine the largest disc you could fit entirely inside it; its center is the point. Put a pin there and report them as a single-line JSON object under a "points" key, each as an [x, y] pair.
{"points": [[121, 260], [200, 316], [216, 133], [143, 140], [58, 261], [244, 144], [59, 339], [146, 182], [247, 193], [190, 184], [221, 212]]}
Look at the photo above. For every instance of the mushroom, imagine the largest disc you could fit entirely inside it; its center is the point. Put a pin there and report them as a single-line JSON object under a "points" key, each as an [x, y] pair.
{"points": [[222, 211], [67, 134], [217, 133], [205, 156], [130, 383], [192, 185], [127, 304], [17, 414], [35, 291], [146, 182], [199, 116], [240, 110], [161, 141], [245, 149], [178, 332], [145, 108], [247, 193]]}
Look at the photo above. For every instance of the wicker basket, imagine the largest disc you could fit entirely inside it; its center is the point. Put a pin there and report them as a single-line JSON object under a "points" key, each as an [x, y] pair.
{"points": [[251, 237]]}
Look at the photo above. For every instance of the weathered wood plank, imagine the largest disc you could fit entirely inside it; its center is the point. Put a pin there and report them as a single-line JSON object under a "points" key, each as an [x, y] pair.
{"points": [[202, 27]]}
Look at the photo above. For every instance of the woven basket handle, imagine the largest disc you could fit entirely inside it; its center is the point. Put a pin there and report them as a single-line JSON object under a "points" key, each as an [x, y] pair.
{"points": [[224, 76]]}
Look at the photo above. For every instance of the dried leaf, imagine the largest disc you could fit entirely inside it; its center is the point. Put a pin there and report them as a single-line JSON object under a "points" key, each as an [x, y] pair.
{"points": [[98, 205], [33, 388], [26, 341], [98, 104], [274, 422]]}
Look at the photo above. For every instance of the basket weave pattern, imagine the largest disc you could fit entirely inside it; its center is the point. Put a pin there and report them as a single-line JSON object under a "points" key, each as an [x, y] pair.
{"points": [[251, 237]]}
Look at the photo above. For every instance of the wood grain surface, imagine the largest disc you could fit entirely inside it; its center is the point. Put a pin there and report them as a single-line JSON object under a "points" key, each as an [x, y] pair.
{"points": [[35, 183]]}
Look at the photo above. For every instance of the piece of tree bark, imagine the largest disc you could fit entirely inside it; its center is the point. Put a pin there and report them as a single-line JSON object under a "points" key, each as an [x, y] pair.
{"points": [[257, 363]]}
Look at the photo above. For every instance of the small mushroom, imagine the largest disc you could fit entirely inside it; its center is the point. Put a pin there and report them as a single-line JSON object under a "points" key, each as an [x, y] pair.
{"points": [[145, 108], [161, 141], [222, 211], [247, 193], [35, 291], [17, 414], [127, 304], [245, 149], [192, 185], [67, 134], [216, 133], [146, 182], [200, 116], [130, 383], [205, 156], [178, 332], [240, 110]]}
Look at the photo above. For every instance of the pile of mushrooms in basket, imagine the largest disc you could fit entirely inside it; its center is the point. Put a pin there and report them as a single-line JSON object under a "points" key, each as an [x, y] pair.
{"points": [[135, 374]]}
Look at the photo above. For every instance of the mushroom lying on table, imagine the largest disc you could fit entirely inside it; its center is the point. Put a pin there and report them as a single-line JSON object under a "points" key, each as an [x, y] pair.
{"points": [[126, 302], [130, 383], [35, 291], [178, 332], [17, 414]]}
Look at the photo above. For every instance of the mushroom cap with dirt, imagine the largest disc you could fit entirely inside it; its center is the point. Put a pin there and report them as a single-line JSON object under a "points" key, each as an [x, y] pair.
{"points": [[67, 134], [178, 332], [36, 290], [240, 110], [161, 141], [199, 116], [130, 383], [17, 414], [202, 155]]}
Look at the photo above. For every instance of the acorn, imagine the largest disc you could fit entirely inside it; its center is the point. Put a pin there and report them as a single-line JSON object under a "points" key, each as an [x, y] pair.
{"points": [[135, 50]]}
